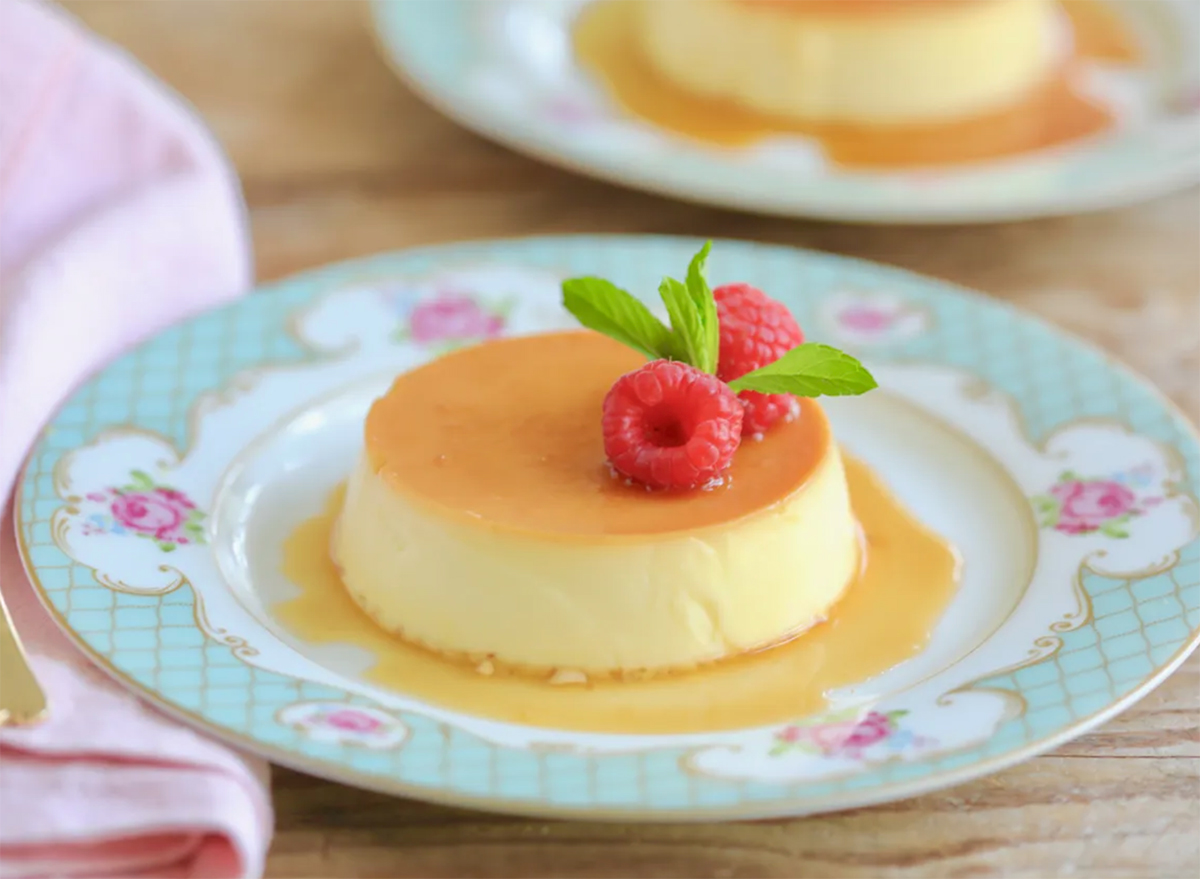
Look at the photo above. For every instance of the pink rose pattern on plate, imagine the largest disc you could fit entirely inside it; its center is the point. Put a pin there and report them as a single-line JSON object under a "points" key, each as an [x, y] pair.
{"points": [[875, 318], [143, 508], [451, 319], [848, 735], [347, 724], [349, 720], [1104, 504], [571, 112], [867, 319]]}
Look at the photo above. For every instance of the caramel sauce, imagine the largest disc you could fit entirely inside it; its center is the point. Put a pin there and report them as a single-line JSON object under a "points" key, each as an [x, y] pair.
{"points": [[1051, 115], [886, 617], [531, 458], [1099, 33]]}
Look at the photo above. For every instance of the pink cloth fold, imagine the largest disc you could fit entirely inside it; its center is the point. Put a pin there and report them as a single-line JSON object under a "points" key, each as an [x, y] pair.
{"points": [[118, 216]]}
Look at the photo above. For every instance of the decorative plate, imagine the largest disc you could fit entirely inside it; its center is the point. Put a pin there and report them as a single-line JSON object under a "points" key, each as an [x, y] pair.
{"points": [[505, 68], [152, 513]]}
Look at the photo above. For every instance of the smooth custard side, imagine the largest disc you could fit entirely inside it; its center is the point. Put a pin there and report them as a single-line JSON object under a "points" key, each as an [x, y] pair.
{"points": [[600, 608], [927, 62], [888, 615]]}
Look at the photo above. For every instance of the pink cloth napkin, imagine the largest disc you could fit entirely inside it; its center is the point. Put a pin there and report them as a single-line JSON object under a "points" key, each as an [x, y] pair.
{"points": [[118, 216]]}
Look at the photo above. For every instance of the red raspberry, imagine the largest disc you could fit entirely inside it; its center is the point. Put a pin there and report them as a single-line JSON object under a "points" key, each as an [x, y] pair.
{"points": [[669, 425], [755, 330]]}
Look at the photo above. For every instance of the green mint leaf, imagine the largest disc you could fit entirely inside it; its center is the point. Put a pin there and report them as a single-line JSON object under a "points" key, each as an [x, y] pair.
{"points": [[694, 334], [686, 324], [809, 370], [604, 307], [706, 307]]}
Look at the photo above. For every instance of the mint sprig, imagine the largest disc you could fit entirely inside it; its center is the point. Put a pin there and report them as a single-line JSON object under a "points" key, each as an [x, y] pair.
{"points": [[693, 312], [687, 329], [694, 335], [709, 343], [604, 307], [809, 370]]}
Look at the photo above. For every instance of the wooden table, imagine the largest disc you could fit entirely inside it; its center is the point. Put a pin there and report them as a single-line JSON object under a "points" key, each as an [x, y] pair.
{"points": [[338, 159]]}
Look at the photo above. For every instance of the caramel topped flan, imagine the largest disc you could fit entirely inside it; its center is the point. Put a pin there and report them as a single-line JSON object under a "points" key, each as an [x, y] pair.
{"points": [[483, 521]]}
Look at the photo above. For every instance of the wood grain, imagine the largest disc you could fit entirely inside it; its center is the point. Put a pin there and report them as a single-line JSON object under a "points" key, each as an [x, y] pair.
{"points": [[339, 160]]}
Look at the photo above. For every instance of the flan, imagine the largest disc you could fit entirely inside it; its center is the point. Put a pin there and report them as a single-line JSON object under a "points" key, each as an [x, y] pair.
{"points": [[863, 62], [483, 522]]}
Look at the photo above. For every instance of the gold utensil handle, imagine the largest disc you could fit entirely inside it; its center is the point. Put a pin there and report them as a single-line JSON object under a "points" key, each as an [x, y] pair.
{"points": [[21, 697]]}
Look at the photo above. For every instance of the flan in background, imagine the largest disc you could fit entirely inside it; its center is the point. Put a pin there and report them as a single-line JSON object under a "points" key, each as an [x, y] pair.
{"points": [[878, 83], [878, 111]]}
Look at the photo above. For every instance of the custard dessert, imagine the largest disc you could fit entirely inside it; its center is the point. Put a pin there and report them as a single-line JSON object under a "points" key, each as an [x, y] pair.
{"points": [[482, 521], [623, 500], [867, 62]]}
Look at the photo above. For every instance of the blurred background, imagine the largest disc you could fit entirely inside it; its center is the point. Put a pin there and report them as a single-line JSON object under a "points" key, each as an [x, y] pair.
{"points": [[339, 158]]}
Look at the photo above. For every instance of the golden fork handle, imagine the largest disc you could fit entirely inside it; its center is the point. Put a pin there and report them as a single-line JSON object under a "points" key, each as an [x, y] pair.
{"points": [[21, 698]]}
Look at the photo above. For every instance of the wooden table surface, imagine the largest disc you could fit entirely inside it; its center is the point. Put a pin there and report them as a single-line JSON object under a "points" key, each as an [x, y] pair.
{"points": [[338, 159]]}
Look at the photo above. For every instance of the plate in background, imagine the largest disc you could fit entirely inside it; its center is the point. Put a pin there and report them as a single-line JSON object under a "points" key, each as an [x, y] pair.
{"points": [[505, 69]]}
